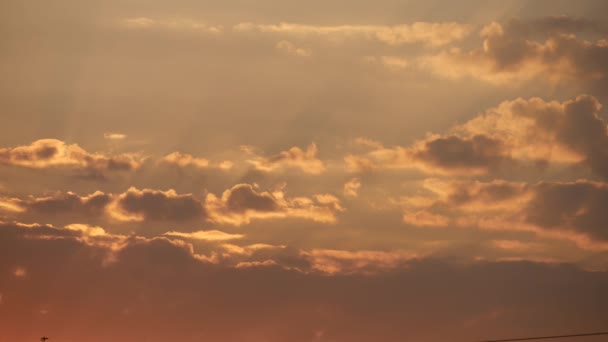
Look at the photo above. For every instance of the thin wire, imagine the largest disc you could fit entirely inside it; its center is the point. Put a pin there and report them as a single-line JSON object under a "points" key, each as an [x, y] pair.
{"points": [[547, 337]]}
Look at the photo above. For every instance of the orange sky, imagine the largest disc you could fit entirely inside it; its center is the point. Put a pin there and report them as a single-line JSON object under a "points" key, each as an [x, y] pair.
{"points": [[320, 171]]}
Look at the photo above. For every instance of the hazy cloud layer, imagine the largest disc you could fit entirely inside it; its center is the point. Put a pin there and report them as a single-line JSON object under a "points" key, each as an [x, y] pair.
{"points": [[150, 278]]}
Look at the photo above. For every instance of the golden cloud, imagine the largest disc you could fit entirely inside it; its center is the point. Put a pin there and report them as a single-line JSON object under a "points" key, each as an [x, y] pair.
{"points": [[46, 153], [295, 157]]}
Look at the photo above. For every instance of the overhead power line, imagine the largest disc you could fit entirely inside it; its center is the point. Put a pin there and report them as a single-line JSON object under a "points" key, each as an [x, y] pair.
{"points": [[547, 337]]}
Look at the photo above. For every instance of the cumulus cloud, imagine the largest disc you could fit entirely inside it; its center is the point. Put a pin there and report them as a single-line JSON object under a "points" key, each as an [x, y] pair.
{"points": [[66, 203], [449, 154], [556, 210], [545, 49], [134, 205], [47, 153], [92, 236], [245, 202], [578, 206], [154, 205], [523, 130], [534, 129], [238, 205], [295, 157], [431, 34]]}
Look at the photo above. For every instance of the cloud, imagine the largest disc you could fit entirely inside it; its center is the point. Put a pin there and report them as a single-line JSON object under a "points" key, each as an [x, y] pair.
{"points": [[448, 154], [431, 34], [244, 202], [351, 188], [114, 136], [177, 24], [134, 205], [578, 206], [150, 278], [184, 160], [524, 131], [425, 219], [237, 205], [67, 203], [187, 160], [345, 262], [291, 49], [545, 49], [48, 153], [232, 250], [156, 205], [206, 235], [478, 152], [295, 157], [534, 129], [570, 211]]}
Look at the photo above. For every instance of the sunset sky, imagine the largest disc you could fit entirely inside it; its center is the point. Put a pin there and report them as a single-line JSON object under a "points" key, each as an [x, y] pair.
{"points": [[303, 171]]}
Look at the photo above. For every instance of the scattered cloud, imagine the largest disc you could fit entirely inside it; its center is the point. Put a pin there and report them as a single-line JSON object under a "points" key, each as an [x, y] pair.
{"points": [[66, 203], [523, 130], [237, 206], [545, 49], [244, 202], [47, 153], [557, 210], [153, 205], [431, 34], [175, 24], [295, 157]]}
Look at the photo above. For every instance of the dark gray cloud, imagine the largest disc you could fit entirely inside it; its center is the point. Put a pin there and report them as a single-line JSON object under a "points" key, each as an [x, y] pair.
{"points": [[547, 49], [243, 197], [150, 204], [68, 203], [452, 152], [580, 206], [53, 153]]}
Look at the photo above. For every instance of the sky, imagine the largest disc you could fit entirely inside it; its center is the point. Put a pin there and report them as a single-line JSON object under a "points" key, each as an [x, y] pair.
{"points": [[303, 171]]}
